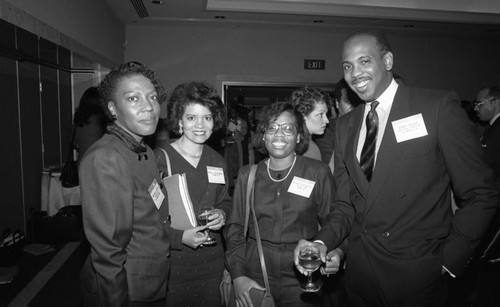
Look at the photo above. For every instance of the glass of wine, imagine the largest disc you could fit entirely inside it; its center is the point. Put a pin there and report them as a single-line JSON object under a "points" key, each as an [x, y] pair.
{"points": [[203, 218], [309, 259]]}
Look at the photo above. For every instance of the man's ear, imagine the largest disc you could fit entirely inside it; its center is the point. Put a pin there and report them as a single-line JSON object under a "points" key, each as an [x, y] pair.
{"points": [[388, 60]]}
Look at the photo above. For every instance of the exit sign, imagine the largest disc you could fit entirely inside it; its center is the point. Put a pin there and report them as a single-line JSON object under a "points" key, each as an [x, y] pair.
{"points": [[314, 64]]}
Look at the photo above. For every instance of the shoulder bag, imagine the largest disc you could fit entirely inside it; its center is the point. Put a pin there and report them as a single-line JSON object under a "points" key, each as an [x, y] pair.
{"points": [[69, 173]]}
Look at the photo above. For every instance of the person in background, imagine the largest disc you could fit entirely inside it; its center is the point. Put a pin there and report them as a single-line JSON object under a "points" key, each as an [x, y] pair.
{"points": [[487, 108], [284, 213], [89, 122], [194, 112], [124, 206], [345, 101], [313, 105], [396, 162]]}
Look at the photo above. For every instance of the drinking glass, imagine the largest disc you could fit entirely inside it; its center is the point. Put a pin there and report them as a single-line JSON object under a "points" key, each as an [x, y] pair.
{"points": [[309, 259], [203, 215]]}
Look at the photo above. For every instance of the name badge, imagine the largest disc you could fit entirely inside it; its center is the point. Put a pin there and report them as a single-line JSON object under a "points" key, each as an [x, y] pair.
{"points": [[409, 128], [156, 193], [301, 187], [216, 175]]}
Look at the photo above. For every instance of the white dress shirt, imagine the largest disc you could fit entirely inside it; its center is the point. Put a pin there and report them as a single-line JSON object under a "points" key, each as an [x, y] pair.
{"points": [[383, 109]]}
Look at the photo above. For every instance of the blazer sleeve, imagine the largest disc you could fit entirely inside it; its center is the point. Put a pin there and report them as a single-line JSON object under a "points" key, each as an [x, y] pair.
{"points": [[472, 182], [107, 196], [339, 221]]}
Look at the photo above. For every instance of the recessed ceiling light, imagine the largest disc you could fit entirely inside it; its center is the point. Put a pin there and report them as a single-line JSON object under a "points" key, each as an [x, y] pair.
{"points": [[219, 17]]}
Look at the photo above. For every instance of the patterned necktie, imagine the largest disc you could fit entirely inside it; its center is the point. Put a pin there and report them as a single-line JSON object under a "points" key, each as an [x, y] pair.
{"points": [[367, 160]]}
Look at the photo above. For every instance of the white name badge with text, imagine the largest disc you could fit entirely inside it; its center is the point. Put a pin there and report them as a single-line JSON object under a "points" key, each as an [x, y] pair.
{"points": [[156, 193], [409, 128], [301, 186], [216, 175]]}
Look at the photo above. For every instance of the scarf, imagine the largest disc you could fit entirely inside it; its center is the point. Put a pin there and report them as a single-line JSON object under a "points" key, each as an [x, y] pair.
{"points": [[126, 138]]}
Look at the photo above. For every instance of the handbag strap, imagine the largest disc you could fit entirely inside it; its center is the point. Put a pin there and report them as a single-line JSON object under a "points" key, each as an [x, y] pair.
{"points": [[251, 179], [250, 198], [169, 169]]}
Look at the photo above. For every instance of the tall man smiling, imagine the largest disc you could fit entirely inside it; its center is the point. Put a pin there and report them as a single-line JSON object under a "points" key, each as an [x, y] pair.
{"points": [[396, 160]]}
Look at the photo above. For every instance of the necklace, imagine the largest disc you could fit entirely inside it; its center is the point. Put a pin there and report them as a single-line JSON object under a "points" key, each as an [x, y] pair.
{"points": [[282, 179], [184, 152]]}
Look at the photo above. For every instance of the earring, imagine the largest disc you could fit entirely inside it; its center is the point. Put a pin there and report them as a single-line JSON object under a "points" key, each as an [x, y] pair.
{"points": [[181, 130]]}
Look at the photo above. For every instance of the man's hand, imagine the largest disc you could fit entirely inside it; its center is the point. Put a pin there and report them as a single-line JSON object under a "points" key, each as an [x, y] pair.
{"points": [[333, 260], [302, 243]]}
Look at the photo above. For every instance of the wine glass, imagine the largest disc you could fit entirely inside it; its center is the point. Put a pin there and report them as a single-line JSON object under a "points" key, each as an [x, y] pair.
{"points": [[203, 217], [309, 259]]}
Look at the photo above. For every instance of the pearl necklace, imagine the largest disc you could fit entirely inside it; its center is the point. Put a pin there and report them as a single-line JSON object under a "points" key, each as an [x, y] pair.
{"points": [[282, 179], [184, 152]]}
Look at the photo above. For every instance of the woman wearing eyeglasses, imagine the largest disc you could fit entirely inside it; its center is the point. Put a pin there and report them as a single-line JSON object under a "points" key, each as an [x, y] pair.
{"points": [[292, 198]]}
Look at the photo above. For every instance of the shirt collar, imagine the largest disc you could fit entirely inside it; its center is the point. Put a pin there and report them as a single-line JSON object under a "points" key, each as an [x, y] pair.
{"points": [[494, 118], [385, 100]]}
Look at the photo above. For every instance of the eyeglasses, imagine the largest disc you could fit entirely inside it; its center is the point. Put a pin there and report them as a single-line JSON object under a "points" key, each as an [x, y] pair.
{"points": [[286, 128], [478, 104]]}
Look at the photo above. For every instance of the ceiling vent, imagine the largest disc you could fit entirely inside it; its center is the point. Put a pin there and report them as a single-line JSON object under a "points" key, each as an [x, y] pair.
{"points": [[140, 8]]}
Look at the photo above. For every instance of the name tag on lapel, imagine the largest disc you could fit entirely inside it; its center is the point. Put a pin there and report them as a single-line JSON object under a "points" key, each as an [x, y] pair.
{"points": [[409, 128], [215, 175], [156, 193], [301, 186]]}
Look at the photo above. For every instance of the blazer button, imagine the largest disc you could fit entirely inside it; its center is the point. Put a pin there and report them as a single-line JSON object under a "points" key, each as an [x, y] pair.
{"points": [[386, 234], [364, 232]]}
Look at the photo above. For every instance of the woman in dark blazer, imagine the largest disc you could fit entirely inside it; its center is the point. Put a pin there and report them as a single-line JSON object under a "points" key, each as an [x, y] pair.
{"points": [[125, 211]]}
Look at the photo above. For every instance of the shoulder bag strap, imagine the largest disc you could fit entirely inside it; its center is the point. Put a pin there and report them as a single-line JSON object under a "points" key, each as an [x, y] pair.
{"points": [[169, 170], [251, 179], [259, 243]]}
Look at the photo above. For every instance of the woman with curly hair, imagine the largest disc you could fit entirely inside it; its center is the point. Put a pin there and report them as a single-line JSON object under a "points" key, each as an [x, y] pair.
{"points": [[194, 113], [313, 105], [125, 212], [292, 198]]}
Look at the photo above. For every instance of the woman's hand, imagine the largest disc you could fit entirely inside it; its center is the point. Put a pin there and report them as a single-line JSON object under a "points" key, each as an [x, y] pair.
{"points": [[217, 219], [242, 287], [194, 237]]}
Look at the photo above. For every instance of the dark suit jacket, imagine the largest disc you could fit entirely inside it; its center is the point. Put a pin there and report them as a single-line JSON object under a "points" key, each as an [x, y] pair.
{"points": [[492, 149], [129, 236], [401, 227]]}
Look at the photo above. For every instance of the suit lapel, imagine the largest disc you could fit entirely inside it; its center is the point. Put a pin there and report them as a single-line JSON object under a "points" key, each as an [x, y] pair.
{"points": [[388, 150]]}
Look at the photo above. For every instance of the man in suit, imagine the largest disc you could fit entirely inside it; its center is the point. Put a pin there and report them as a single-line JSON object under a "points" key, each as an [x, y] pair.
{"points": [[487, 108], [396, 159]]}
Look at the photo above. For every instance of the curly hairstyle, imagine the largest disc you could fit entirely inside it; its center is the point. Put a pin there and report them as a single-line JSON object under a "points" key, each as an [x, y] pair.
{"points": [[107, 87], [270, 114], [354, 99], [194, 93], [304, 100]]}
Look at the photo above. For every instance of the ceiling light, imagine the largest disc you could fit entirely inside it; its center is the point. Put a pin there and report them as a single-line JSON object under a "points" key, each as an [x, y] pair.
{"points": [[158, 2]]}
